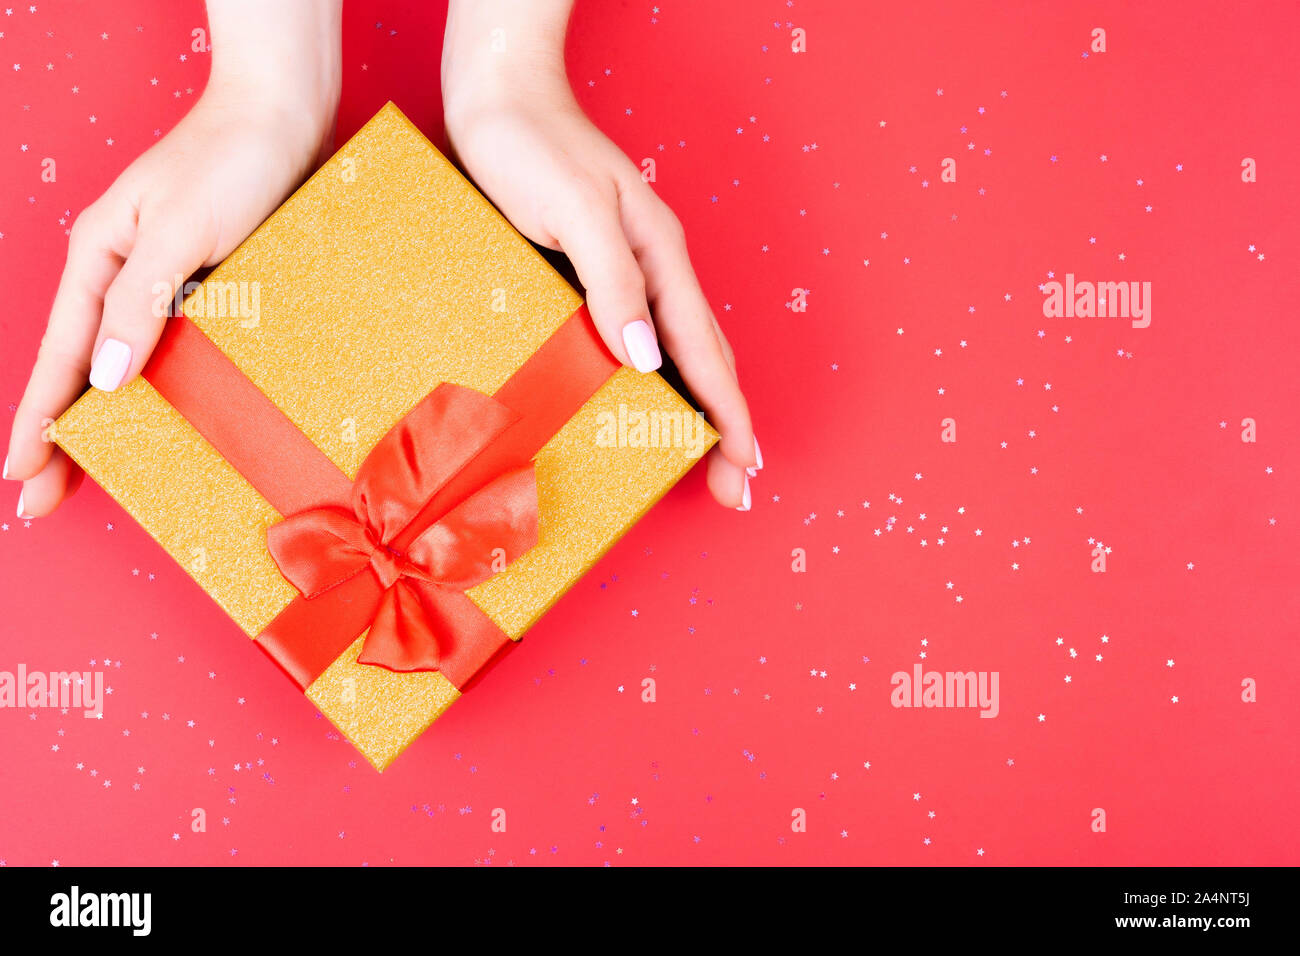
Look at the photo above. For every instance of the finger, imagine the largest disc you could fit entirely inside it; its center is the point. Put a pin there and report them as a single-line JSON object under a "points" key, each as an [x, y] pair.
{"points": [[731, 363], [685, 322], [587, 224], [728, 483], [167, 250], [95, 254], [727, 353], [42, 493]]}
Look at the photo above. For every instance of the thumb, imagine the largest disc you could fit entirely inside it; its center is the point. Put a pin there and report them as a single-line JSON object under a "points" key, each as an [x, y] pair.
{"points": [[138, 302]]}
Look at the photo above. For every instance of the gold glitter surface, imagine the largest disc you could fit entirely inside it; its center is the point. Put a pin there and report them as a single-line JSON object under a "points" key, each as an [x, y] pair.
{"points": [[166, 475], [376, 281], [378, 710], [384, 275]]}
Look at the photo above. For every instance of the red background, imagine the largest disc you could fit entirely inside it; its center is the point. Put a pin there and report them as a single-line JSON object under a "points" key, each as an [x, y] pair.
{"points": [[788, 170]]}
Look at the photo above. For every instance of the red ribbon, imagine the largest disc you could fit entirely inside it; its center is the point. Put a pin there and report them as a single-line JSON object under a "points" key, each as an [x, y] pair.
{"points": [[421, 606], [395, 550]]}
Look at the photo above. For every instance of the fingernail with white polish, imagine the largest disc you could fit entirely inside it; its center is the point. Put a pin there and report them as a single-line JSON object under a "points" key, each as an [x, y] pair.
{"points": [[20, 511], [758, 462], [642, 348], [6, 471], [110, 365], [746, 501]]}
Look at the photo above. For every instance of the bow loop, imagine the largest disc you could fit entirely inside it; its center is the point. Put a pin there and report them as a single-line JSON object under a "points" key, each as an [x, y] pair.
{"points": [[317, 549], [482, 534], [445, 430]]}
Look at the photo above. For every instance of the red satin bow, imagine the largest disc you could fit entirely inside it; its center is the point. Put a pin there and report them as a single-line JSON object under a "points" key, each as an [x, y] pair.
{"points": [[421, 613]]}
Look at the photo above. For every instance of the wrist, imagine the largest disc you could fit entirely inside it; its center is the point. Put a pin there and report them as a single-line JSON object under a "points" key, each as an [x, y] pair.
{"points": [[282, 60], [302, 109], [489, 66]]}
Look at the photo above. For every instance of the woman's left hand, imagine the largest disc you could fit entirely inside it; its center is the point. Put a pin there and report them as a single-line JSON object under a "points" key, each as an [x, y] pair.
{"points": [[520, 134]]}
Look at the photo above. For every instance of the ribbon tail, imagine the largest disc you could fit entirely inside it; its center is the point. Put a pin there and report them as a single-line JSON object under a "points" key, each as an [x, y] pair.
{"points": [[424, 627], [401, 637]]}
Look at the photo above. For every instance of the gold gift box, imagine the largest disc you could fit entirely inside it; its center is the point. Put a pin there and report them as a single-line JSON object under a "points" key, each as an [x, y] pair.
{"points": [[386, 274]]}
